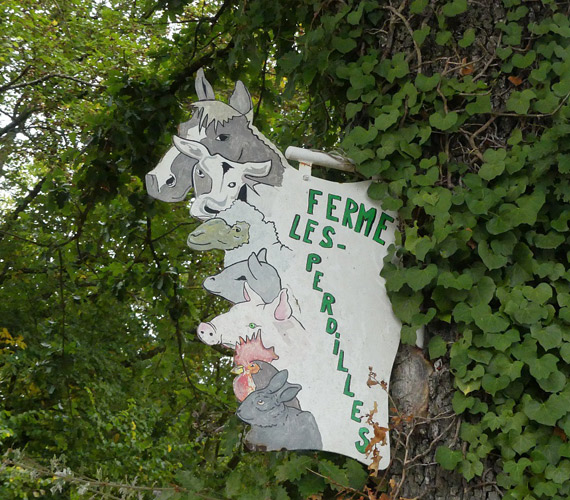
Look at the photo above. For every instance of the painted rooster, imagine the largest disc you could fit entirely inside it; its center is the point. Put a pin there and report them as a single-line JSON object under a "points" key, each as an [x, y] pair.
{"points": [[252, 365]]}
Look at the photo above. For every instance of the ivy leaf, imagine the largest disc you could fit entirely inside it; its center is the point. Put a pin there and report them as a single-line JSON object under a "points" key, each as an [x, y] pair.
{"points": [[565, 352], [519, 102], [548, 412], [385, 120], [418, 6], [406, 304], [461, 402], [542, 367], [468, 38], [540, 294], [547, 104], [550, 240], [418, 245], [352, 108], [522, 442], [437, 347], [454, 8], [426, 83], [494, 163], [397, 67], [443, 121], [360, 81], [481, 105], [355, 16], [447, 458], [417, 278], [343, 45], [555, 382], [409, 335], [471, 467], [558, 474], [421, 34], [489, 258], [549, 337], [502, 341], [360, 135], [454, 280], [515, 469], [493, 384], [487, 321], [524, 60]]}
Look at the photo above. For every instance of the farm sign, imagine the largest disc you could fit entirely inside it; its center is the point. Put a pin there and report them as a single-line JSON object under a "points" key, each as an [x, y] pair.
{"points": [[311, 328]]}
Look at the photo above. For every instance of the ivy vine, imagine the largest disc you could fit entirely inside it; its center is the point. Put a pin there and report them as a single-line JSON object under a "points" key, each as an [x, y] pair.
{"points": [[471, 148]]}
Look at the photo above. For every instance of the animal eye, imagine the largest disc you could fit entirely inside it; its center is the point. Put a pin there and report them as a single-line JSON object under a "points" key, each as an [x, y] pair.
{"points": [[252, 325], [200, 173], [241, 278], [223, 137], [260, 402], [237, 229], [232, 185], [171, 181]]}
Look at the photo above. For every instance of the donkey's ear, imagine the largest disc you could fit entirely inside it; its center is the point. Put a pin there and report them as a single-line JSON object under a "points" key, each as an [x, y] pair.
{"points": [[241, 99], [203, 88]]}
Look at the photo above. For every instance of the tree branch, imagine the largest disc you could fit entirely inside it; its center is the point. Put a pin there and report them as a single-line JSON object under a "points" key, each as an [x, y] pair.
{"points": [[16, 122], [24, 203]]}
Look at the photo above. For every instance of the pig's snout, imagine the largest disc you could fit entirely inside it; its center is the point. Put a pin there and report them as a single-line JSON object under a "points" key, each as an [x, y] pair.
{"points": [[207, 333]]}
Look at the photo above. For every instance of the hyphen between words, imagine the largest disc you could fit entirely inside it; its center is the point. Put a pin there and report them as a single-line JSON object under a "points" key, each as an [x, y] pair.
{"points": [[364, 217]]}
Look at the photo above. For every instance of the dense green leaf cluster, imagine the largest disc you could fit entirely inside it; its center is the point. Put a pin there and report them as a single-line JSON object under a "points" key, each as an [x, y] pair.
{"points": [[473, 153], [458, 109]]}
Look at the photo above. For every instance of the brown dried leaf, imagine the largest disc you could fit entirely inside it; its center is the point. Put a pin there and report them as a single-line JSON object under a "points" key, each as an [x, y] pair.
{"points": [[375, 465], [379, 438], [466, 69], [373, 412], [560, 433], [515, 80], [370, 493], [370, 382]]}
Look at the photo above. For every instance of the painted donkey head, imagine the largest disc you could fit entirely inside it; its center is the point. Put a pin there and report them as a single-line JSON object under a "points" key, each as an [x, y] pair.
{"points": [[218, 152]]}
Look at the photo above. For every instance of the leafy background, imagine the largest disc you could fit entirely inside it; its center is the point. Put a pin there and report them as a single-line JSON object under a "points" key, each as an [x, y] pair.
{"points": [[458, 109]]}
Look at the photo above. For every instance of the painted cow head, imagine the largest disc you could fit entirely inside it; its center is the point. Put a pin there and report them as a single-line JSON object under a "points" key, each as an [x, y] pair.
{"points": [[213, 150], [228, 180]]}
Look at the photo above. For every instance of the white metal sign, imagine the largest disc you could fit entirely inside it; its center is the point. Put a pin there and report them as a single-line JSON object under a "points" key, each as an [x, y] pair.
{"points": [[312, 328]]}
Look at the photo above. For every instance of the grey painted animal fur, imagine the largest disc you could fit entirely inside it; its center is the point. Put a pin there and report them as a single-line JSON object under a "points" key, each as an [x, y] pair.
{"points": [[261, 277], [226, 133], [275, 426]]}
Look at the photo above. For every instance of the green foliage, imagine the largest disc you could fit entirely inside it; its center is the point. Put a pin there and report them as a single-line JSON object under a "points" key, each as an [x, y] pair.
{"points": [[100, 295], [484, 233]]}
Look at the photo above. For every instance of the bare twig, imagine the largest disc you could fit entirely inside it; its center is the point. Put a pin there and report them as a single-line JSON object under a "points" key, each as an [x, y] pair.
{"points": [[398, 14]]}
